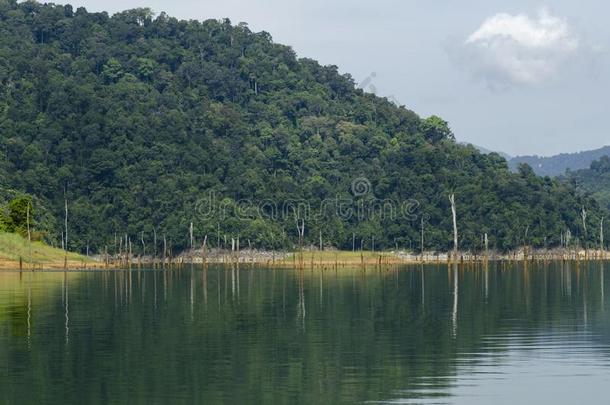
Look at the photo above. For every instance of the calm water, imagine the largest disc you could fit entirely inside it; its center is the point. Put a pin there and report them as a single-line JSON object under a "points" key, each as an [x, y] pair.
{"points": [[432, 334]]}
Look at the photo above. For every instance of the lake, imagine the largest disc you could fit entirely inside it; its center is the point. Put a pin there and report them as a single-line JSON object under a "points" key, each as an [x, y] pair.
{"points": [[433, 334]]}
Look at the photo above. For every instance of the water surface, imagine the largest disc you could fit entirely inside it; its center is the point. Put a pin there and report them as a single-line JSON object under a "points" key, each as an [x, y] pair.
{"points": [[415, 334]]}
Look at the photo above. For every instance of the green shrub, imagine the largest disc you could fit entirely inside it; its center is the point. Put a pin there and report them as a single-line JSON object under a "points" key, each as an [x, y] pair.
{"points": [[20, 212]]}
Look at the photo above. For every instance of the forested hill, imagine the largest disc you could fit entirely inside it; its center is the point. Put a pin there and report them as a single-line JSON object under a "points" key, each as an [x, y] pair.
{"points": [[137, 119]]}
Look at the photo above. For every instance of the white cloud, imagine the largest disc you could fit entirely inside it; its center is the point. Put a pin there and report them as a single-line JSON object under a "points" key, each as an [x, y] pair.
{"points": [[519, 49]]}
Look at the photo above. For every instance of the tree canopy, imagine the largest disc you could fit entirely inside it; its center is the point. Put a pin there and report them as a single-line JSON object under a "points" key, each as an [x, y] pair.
{"points": [[594, 181], [17, 216], [140, 121]]}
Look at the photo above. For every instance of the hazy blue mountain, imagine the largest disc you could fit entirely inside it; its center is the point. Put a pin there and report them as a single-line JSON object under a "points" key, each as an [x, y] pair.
{"points": [[558, 164]]}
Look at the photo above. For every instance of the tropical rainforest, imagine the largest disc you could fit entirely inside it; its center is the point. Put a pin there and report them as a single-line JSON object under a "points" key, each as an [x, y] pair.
{"points": [[132, 120], [594, 181]]}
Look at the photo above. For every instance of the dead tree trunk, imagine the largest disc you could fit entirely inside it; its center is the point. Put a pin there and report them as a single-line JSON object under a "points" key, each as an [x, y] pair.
{"points": [[302, 238], [422, 238], [320, 241], [583, 214], [129, 255], [119, 252], [526, 247], [455, 229], [154, 247], [203, 252], [192, 242], [233, 248], [301, 234], [164, 250], [29, 234], [567, 240], [601, 237], [251, 251]]}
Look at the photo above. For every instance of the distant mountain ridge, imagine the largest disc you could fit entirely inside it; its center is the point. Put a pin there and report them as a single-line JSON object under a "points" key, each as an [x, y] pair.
{"points": [[558, 164], [486, 151]]}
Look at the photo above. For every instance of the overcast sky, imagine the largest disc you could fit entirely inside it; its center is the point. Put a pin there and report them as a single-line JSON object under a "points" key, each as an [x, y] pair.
{"points": [[515, 76]]}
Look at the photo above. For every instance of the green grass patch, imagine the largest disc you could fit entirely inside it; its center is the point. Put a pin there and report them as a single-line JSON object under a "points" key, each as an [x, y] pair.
{"points": [[13, 247]]}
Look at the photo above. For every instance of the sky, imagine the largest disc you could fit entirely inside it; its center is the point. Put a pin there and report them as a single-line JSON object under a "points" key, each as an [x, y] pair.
{"points": [[518, 77]]}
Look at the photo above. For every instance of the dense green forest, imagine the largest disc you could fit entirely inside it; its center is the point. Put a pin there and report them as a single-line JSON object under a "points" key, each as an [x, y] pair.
{"points": [[134, 119], [594, 181]]}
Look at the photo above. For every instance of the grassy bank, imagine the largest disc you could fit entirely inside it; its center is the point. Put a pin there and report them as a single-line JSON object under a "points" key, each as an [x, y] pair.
{"points": [[14, 248]]}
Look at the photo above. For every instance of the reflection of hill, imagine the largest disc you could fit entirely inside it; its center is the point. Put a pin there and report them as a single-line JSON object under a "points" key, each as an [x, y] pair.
{"points": [[283, 336]]}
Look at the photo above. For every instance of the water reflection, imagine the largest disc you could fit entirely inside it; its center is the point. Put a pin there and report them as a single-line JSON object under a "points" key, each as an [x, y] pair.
{"points": [[416, 334], [455, 299], [301, 303], [66, 299]]}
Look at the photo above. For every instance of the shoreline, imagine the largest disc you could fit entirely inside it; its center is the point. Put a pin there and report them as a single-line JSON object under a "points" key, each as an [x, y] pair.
{"points": [[15, 265], [304, 259]]}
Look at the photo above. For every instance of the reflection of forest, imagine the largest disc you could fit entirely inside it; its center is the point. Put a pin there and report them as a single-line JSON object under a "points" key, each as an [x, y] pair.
{"points": [[20, 290], [283, 336]]}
